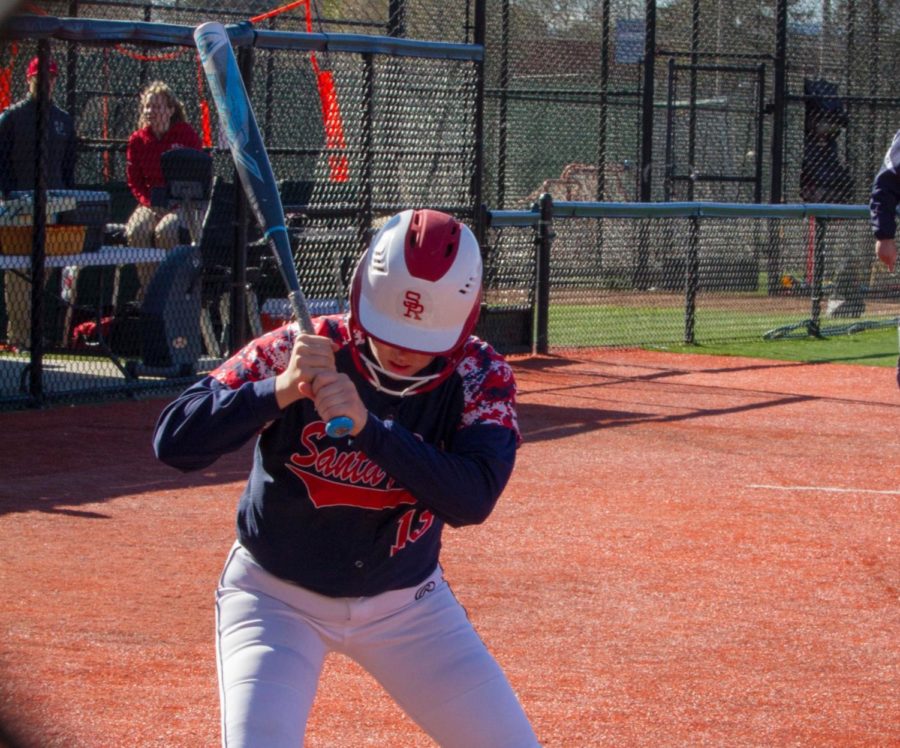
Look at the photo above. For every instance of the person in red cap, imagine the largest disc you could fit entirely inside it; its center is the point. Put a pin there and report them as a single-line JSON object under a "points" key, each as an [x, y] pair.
{"points": [[34, 65], [162, 126], [18, 125]]}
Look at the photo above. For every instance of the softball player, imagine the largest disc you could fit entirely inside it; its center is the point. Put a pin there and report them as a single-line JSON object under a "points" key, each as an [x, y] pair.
{"points": [[338, 539], [883, 209]]}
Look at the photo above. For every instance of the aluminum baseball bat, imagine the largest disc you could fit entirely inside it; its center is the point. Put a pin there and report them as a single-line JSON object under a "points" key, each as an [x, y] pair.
{"points": [[252, 163]]}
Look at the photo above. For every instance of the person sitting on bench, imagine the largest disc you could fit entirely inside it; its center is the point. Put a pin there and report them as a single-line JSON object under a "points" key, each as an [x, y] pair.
{"points": [[162, 126]]}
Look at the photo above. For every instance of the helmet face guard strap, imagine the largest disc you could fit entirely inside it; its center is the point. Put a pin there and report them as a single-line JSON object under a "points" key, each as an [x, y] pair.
{"points": [[418, 287], [381, 379]]}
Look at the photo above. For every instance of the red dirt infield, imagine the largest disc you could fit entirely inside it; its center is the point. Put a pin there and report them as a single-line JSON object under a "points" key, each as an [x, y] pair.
{"points": [[692, 551]]}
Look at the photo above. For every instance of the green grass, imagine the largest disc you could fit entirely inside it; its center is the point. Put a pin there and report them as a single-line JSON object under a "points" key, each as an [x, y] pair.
{"points": [[871, 348], [663, 329]]}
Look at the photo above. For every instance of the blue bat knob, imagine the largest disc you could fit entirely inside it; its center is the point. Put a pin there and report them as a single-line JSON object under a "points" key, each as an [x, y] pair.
{"points": [[338, 427]]}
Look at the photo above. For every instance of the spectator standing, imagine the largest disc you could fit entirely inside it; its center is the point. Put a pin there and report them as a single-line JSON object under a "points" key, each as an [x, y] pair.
{"points": [[883, 205], [18, 125], [883, 209], [162, 126]]}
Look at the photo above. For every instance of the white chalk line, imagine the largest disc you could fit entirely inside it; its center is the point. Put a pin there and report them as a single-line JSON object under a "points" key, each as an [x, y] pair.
{"points": [[824, 489]]}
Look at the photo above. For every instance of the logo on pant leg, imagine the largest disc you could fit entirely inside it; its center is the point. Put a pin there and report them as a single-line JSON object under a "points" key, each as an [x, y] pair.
{"points": [[425, 589]]}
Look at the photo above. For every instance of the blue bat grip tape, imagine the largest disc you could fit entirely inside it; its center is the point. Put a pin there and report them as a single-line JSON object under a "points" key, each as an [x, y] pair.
{"points": [[338, 427]]}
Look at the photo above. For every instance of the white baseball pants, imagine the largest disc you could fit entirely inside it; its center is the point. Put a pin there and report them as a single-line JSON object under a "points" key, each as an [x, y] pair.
{"points": [[273, 637]]}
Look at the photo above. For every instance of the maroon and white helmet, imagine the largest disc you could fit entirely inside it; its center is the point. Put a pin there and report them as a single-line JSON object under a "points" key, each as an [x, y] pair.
{"points": [[418, 285]]}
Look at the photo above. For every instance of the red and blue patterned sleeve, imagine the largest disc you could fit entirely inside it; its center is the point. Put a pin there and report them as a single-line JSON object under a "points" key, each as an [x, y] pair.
{"points": [[268, 355], [265, 357], [461, 481], [489, 388], [221, 412]]}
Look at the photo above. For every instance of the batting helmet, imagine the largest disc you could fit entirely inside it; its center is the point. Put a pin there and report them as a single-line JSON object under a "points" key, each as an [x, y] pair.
{"points": [[418, 285]]}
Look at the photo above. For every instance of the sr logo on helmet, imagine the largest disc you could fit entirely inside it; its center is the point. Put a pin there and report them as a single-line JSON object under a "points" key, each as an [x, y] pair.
{"points": [[416, 306], [417, 287]]}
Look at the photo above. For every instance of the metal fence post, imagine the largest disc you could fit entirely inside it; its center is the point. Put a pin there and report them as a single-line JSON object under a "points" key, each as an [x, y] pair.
{"points": [[543, 241], [396, 25], [366, 216], [647, 103], [477, 184], [779, 94], [818, 276], [691, 279], [603, 110], [503, 105], [39, 226], [669, 153]]}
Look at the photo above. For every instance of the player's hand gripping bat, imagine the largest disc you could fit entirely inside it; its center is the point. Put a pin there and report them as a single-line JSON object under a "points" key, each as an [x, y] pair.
{"points": [[252, 163]]}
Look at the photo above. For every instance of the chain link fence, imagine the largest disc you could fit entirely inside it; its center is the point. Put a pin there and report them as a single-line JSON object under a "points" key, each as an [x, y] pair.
{"points": [[355, 132], [653, 274], [585, 100], [723, 101]]}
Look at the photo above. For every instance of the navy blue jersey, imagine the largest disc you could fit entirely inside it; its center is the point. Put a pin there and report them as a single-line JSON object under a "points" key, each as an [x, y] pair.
{"points": [[351, 517], [886, 193], [18, 125]]}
